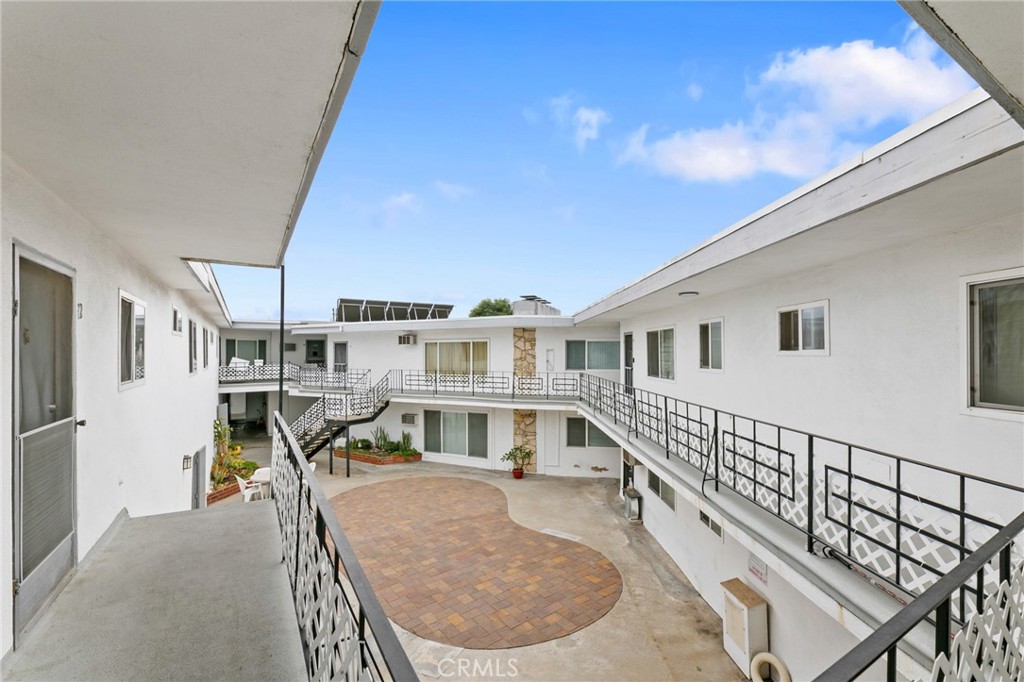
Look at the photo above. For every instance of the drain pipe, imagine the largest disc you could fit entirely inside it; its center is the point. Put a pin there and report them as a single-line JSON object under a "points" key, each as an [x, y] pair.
{"points": [[772, 661]]}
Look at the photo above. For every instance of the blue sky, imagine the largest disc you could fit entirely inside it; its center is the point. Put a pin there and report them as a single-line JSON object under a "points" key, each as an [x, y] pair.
{"points": [[565, 149]]}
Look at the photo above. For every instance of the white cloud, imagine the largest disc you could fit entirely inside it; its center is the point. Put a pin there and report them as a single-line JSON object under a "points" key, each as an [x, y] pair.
{"points": [[694, 91], [561, 108], [587, 123], [392, 208], [452, 191], [812, 104]]}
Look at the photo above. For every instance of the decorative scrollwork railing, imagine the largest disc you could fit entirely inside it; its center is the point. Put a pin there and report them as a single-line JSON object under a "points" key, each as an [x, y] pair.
{"points": [[345, 634], [306, 376]]}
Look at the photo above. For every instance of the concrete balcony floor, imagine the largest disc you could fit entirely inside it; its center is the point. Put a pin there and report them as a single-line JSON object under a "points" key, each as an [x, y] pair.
{"points": [[195, 595]]}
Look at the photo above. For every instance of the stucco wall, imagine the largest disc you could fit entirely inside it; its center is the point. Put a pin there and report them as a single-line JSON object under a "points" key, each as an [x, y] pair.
{"points": [[130, 453], [892, 380]]}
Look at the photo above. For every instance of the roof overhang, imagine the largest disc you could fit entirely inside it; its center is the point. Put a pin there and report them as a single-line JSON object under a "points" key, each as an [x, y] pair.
{"points": [[186, 131], [961, 167], [985, 38]]}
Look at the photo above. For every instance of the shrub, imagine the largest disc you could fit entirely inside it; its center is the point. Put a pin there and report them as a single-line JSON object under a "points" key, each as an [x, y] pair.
{"points": [[380, 438]]}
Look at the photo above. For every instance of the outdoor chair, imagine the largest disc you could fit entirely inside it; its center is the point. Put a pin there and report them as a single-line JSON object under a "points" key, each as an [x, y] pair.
{"points": [[249, 489]]}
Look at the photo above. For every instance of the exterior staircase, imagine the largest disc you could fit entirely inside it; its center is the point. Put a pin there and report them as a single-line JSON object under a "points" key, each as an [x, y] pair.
{"points": [[328, 417]]}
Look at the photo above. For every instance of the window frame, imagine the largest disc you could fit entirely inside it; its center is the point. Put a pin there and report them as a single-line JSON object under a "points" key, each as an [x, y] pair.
{"points": [[136, 302], [720, 321], [473, 458], [967, 284], [660, 331], [175, 320], [586, 355], [799, 308], [206, 347], [660, 489], [586, 435], [473, 370], [193, 350]]}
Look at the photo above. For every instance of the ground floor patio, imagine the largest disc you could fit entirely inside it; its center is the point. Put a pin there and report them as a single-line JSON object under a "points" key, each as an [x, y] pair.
{"points": [[436, 540]]}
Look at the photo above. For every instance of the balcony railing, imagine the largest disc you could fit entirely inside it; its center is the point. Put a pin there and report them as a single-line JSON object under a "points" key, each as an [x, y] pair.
{"points": [[539, 386], [989, 647], [906, 522], [345, 634], [307, 376]]}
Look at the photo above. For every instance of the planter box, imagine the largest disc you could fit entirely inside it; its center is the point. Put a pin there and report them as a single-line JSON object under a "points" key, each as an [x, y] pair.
{"points": [[221, 493], [374, 459]]}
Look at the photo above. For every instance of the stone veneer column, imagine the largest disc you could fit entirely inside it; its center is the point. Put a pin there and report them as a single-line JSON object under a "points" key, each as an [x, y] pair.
{"points": [[524, 432], [524, 363]]}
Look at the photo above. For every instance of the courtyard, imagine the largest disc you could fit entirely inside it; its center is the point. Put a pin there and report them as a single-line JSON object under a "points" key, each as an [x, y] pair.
{"points": [[488, 577]]}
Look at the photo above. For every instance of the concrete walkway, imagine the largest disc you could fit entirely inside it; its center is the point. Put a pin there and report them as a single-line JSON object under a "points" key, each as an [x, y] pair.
{"points": [[196, 595]]}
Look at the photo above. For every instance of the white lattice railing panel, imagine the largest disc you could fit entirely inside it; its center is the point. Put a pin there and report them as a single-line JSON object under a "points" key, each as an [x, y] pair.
{"points": [[990, 646]]}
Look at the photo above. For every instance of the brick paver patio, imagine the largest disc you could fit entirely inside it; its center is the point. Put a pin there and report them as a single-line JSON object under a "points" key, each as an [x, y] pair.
{"points": [[449, 565]]}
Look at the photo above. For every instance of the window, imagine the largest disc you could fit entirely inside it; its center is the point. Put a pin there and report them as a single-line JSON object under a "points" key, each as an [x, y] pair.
{"points": [[997, 344], [246, 349], [289, 347], [661, 354], [455, 433], [206, 348], [662, 489], [582, 433], [132, 340], [711, 344], [583, 355], [192, 347], [804, 329], [456, 357], [175, 320]]}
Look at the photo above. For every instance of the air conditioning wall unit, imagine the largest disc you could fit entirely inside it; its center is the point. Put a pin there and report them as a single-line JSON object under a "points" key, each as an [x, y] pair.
{"points": [[409, 418], [745, 623], [289, 347], [407, 340]]}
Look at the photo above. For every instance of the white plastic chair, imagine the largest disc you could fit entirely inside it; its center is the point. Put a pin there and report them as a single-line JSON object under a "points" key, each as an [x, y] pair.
{"points": [[249, 489]]}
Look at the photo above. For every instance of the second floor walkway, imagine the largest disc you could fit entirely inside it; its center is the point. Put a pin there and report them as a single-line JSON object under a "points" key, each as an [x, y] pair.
{"points": [[194, 595]]}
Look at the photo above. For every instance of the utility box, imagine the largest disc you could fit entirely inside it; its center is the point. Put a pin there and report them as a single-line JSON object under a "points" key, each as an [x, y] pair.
{"points": [[633, 507], [745, 623]]}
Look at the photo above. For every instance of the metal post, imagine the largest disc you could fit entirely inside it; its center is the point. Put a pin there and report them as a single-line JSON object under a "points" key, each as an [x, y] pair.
{"points": [[330, 454], [280, 352], [715, 449], [810, 493], [348, 444], [942, 628], [899, 521], [890, 665], [664, 423]]}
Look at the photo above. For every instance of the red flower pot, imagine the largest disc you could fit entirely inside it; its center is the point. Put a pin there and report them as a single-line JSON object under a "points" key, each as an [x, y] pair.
{"points": [[517, 473]]}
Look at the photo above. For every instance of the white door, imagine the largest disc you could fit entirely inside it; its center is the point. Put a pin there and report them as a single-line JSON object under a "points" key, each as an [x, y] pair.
{"points": [[44, 425]]}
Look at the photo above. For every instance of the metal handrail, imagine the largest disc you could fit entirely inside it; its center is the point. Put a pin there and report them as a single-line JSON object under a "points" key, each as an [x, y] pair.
{"points": [[307, 376], [515, 385], [838, 504], [325, 632], [936, 599]]}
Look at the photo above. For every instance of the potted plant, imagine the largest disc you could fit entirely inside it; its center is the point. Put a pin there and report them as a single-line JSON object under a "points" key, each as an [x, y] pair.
{"points": [[519, 456]]}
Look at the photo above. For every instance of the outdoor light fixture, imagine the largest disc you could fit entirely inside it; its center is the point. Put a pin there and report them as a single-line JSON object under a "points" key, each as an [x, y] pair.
{"points": [[186, 462], [689, 294]]}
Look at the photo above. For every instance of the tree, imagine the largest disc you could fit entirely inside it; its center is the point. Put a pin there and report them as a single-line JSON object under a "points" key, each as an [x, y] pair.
{"points": [[489, 307]]}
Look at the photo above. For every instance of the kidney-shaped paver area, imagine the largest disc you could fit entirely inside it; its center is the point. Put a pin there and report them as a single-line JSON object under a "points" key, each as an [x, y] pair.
{"points": [[449, 565]]}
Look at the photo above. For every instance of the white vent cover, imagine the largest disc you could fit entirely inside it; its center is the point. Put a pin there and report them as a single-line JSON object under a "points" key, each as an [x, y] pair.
{"points": [[407, 340], [409, 418], [745, 624]]}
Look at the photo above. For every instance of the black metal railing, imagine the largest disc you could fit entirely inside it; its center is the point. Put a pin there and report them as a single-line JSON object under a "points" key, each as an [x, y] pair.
{"points": [[906, 522], [512, 385], [344, 631], [307, 376], [984, 656]]}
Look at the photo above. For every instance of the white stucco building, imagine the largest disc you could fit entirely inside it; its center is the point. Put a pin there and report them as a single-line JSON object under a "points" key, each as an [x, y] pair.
{"points": [[824, 400]]}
